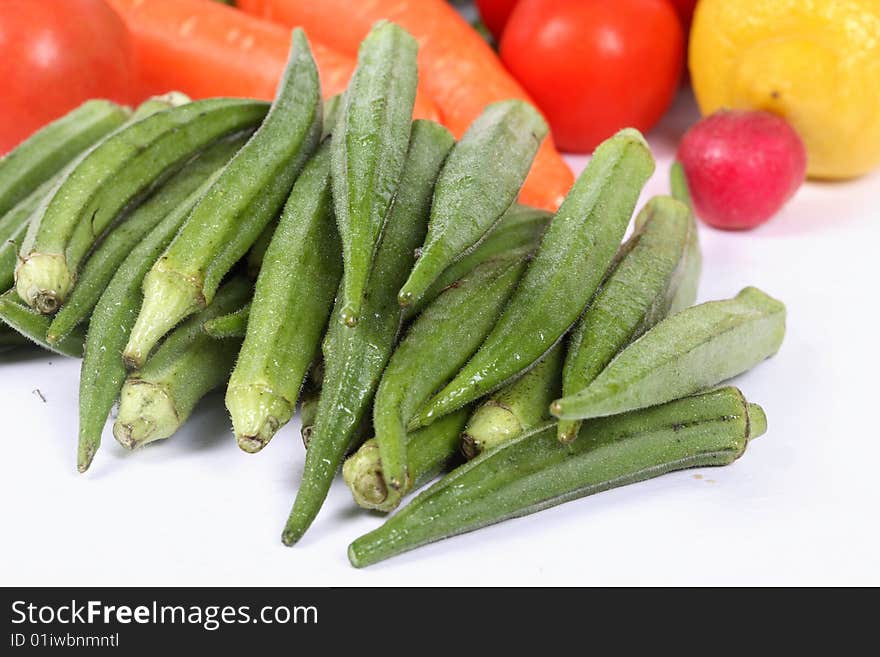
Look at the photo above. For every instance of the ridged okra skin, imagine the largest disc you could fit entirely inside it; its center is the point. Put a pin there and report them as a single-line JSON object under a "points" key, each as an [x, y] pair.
{"points": [[639, 291], [428, 451], [231, 216], [516, 234], [157, 400], [535, 472], [371, 136], [570, 264], [112, 251], [691, 265], [478, 183], [45, 153], [515, 408], [354, 357], [103, 371], [231, 325], [108, 180], [292, 301], [438, 343], [685, 353]]}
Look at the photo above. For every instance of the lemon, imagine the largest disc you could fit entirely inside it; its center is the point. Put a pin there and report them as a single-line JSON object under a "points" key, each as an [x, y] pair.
{"points": [[814, 62]]}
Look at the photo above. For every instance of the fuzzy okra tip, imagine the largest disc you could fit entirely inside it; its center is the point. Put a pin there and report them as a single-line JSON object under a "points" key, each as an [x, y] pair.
{"points": [[233, 213]]}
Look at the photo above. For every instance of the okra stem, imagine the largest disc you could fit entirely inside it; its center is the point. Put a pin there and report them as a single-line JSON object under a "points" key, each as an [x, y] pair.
{"points": [[428, 450], [515, 408], [156, 400]]}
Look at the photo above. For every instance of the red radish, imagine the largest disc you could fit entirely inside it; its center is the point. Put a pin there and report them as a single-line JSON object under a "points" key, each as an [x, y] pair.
{"points": [[741, 167]]}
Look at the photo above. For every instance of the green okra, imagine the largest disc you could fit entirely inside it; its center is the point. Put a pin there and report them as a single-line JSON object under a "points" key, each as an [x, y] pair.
{"points": [[438, 343], [480, 180], [690, 351], [115, 247], [331, 114], [232, 325], [103, 371], [688, 273], [517, 235], [535, 472], [428, 451], [354, 357], [571, 262], [372, 132], [34, 325], [14, 225], [308, 411], [292, 301], [157, 400], [234, 212], [44, 154], [108, 180], [308, 401], [638, 292], [258, 250], [515, 408]]}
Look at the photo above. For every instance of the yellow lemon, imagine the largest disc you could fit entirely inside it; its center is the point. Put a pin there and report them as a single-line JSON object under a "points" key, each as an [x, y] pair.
{"points": [[814, 62]]}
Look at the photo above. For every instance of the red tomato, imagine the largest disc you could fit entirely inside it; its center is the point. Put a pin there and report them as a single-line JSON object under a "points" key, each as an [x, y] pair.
{"points": [[594, 67], [495, 14], [54, 55]]}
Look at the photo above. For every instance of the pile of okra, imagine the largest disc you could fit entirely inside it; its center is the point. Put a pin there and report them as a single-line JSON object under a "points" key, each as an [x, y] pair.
{"points": [[377, 272]]}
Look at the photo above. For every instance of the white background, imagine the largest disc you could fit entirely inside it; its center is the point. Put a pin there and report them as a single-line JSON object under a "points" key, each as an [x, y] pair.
{"points": [[801, 506]]}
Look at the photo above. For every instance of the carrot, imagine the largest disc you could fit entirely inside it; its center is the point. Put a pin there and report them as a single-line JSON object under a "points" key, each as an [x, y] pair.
{"points": [[457, 67], [207, 49]]}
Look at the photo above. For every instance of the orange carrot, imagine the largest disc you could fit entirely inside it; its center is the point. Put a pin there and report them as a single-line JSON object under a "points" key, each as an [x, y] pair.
{"points": [[208, 49], [456, 66]]}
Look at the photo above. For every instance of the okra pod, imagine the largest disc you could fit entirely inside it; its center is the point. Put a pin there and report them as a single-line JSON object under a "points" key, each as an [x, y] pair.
{"points": [[231, 215], [535, 472], [354, 357], [292, 301], [308, 411], [115, 247], [688, 273], [480, 180], [515, 408], [571, 262], [685, 353], [370, 142], [50, 149], [517, 235], [33, 326], [157, 400], [438, 343], [14, 225], [428, 451], [103, 371], [308, 401], [112, 177], [258, 250], [637, 293], [331, 114], [232, 325]]}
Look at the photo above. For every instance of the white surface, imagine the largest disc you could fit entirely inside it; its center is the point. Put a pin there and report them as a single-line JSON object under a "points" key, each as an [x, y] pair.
{"points": [[800, 507]]}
